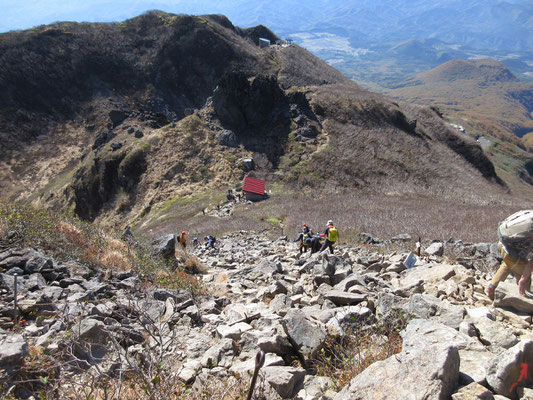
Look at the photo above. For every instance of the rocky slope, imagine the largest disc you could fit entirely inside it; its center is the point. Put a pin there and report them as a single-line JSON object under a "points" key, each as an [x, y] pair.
{"points": [[109, 120], [99, 326]]}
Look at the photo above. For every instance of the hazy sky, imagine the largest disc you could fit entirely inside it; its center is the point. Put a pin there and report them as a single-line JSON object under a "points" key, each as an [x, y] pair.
{"points": [[24, 14]]}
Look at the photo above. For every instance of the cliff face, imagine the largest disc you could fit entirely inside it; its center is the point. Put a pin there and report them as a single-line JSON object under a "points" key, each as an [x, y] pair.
{"points": [[108, 119]]}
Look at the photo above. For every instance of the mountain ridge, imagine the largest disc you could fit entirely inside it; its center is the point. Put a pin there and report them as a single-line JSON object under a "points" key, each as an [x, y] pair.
{"points": [[162, 106]]}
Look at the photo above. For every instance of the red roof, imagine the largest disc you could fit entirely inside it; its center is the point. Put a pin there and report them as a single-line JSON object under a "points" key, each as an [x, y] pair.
{"points": [[253, 185]]}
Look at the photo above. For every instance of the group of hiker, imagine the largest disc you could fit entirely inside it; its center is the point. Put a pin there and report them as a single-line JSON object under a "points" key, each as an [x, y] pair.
{"points": [[209, 241], [308, 240], [515, 244]]}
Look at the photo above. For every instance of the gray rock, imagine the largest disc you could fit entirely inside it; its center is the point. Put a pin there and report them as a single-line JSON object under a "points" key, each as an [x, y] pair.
{"points": [[493, 334], [306, 335], [430, 372], [228, 138], [233, 331], [428, 306], [401, 238], [344, 298], [285, 380], [348, 282], [179, 296], [8, 282], [189, 371], [13, 349], [90, 330], [507, 296], [504, 371], [435, 249], [388, 303], [427, 273], [219, 354], [280, 304], [340, 275], [165, 246], [34, 282], [279, 286], [473, 391], [314, 387], [474, 356], [277, 343], [353, 314], [129, 283]]}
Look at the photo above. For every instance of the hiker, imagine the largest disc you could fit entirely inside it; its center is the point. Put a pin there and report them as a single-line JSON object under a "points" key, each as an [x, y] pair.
{"points": [[210, 242], [331, 234], [230, 195], [182, 239], [195, 242], [304, 238], [203, 212], [515, 243]]}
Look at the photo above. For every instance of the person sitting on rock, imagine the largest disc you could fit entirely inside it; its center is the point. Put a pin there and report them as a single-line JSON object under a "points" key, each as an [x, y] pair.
{"points": [[331, 234], [195, 242], [515, 244], [304, 238]]}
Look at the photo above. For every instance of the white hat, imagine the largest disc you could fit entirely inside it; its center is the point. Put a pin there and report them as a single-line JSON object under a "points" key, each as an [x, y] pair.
{"points": [[330, 222]]}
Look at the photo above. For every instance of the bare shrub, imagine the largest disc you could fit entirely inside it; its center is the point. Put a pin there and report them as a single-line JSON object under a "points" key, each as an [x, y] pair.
{"points": [[344, 357]]}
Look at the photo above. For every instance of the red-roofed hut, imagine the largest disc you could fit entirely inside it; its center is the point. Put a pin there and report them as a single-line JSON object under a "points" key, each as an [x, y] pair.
{"points": [[253, 189]]}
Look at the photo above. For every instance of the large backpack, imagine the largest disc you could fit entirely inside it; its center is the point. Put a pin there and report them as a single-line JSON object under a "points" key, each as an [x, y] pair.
{"points": [[517, 227], [333, 234]]}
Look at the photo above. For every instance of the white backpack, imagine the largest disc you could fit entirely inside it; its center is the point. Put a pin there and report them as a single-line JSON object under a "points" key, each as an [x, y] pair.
{"points": [[517, 227]]}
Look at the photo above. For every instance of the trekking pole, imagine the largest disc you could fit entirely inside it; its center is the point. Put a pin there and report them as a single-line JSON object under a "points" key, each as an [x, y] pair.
{"points": [[259, 362], [15, 308]]}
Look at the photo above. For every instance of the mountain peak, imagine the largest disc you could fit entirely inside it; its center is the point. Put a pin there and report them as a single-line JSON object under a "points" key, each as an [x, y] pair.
{"points": [[482, 70]]}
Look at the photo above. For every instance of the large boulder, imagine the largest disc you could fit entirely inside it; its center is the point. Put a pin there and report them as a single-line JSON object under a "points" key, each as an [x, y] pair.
{"points": [[430, 372], [509, 370], [90, 330], [305, 334], [430, 307], [429, 273], [474, 356], [165, 246], [473, 391], [286, 380], [494, 334], [507, 296], [435, 249], [13, 349], [344, 298]]}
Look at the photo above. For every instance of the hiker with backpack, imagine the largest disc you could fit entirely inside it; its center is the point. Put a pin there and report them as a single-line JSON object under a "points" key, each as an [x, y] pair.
{"points": [[304, 238], [182, 239], [332, 235], [515, 243], [210, 242]]}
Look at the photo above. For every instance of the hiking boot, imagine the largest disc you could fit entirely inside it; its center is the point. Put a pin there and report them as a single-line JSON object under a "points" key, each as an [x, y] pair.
{"points": [[490, 292]]}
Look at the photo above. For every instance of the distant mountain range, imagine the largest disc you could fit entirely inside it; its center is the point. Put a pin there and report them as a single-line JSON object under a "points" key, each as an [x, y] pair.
{"points": [[372, 41], [487, 99]]}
